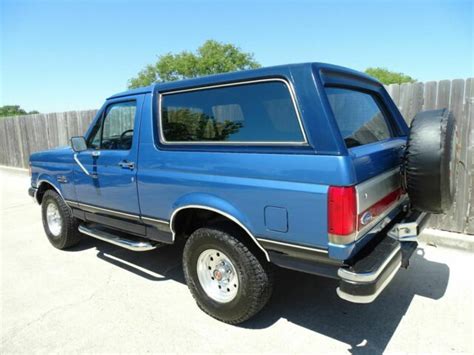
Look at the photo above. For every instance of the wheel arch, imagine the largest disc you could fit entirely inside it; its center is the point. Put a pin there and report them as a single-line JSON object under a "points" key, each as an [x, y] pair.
{"points": [[43, 184], [209, 203]]}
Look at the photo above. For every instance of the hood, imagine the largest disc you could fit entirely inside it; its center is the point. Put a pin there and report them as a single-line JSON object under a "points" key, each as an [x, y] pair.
{"points": [[53, 154]]}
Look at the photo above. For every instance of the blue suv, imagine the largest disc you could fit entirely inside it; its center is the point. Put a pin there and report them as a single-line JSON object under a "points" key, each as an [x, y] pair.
{"points": [[309, 167]]}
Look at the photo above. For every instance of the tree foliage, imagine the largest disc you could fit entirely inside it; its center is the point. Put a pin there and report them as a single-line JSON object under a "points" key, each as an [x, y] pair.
{"points": [[388, 77], [14, 110], [211, 58]]}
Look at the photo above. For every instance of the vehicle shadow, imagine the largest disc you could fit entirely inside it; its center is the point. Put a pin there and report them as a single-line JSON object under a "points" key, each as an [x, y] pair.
{"points": [[307, 300], [161, 264]]}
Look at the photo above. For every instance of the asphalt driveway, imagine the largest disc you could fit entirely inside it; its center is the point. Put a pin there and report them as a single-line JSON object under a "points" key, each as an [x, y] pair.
{"points": [[100, 298]]}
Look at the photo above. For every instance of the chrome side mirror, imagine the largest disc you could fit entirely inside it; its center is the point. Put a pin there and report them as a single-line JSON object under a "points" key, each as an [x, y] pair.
{"points": [[78, 144]]}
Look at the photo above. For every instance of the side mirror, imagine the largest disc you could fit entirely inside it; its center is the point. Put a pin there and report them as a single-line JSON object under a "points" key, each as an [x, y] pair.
{"points": [[78, 144]]}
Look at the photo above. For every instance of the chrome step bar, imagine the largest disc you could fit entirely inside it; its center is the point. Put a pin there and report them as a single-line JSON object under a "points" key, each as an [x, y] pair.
{"points": [[130, 244]]}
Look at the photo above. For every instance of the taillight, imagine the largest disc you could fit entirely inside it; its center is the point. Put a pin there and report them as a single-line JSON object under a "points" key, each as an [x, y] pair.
{"points": [[345, 222], [342, 214]]}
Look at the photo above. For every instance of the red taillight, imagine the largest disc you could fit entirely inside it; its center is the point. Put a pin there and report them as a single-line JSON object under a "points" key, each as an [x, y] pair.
{"points": [[342, 211]]}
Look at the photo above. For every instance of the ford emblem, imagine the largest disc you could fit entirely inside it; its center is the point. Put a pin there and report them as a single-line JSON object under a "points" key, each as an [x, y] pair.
{"points": [[366, 218]]}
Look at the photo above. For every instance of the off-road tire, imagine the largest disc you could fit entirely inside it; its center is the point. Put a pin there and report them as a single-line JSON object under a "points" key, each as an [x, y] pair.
{"points": [[255, 275], [430, 161], [69, 235]]}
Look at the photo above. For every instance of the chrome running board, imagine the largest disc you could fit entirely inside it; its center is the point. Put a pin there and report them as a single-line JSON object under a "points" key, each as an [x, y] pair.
{"points": [[130, 244]]}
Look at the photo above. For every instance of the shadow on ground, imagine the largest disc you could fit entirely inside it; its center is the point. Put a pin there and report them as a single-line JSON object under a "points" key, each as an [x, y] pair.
{"points": [[307, 300]]}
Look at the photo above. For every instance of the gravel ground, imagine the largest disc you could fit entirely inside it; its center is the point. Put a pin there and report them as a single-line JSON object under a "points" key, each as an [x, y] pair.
{"points": [[99, 298]]}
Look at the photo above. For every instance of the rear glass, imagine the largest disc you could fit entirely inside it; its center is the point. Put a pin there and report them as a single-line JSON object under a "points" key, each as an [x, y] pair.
{"points": [[254, 112], [359, 117]]}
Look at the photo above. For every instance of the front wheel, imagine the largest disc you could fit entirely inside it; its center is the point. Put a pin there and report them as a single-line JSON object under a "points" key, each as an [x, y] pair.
{"points": [[225, 278], [58, 222]]}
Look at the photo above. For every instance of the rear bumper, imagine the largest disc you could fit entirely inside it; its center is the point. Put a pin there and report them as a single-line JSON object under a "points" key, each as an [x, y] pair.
{"points": [[375, 266], [363, 285]]}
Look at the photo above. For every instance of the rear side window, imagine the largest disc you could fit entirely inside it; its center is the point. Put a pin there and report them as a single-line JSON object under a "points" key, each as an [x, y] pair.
{"points": [[359, 117], [261, 112]]}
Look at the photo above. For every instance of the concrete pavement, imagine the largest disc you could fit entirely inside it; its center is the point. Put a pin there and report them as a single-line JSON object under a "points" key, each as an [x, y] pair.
{"points": [[100, 298]]}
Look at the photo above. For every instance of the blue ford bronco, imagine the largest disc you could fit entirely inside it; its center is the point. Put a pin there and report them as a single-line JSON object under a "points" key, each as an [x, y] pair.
{"points": [[309, 167]]}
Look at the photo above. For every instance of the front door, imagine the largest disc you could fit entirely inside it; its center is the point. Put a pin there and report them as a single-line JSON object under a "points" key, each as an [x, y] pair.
{"points": [[105, 174]]}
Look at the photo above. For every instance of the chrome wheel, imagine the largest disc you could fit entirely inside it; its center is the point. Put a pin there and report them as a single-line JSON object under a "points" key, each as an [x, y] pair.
{"points": [[217, 275], [54, 219]]}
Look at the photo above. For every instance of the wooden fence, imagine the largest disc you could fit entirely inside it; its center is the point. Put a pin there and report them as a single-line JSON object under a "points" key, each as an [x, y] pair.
{"points": [[458, 96], [22, 135]]}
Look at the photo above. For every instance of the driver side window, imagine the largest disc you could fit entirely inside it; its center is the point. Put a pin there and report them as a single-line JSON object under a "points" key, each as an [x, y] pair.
{"points": [[116, 129]]}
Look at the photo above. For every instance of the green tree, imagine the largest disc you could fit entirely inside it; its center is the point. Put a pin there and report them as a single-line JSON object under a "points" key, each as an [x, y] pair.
{"points": [[211, 58], [14, 110], [387, 77]]}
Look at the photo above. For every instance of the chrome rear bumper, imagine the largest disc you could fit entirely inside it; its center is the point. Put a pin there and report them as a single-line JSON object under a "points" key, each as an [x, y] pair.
{"points": [[366, 277]]}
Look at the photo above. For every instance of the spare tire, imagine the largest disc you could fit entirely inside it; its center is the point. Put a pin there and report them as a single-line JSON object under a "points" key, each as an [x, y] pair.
{"points": [[430, 161]]}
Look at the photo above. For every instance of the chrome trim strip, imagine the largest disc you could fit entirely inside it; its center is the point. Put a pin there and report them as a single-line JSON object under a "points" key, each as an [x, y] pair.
{"points": [[80, 165], [368, 298], [116, 240], [72, 203], [232, 218], [38, 185], [155, 220], [380, 217], [371, 191], [367, 277], [293, 245], [293, 99], [94, 209], [81, 205], [342, 239]]}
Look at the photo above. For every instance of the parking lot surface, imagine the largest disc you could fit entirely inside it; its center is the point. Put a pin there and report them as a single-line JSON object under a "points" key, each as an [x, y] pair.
{"points": [[99, 298]]}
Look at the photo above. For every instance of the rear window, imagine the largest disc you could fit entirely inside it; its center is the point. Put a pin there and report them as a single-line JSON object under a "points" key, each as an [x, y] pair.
{"points": [[359, 117], [260, 112]]}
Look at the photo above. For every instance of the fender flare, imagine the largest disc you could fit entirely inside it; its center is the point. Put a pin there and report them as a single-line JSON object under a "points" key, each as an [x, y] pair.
{"points": [[217, 205]]}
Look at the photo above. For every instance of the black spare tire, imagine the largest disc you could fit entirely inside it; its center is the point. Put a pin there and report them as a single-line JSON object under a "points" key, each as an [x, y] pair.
{"points": [[430, 161]]}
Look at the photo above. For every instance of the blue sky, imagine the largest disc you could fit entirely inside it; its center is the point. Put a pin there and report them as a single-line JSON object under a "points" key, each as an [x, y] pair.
{"points": [[68, 55]]}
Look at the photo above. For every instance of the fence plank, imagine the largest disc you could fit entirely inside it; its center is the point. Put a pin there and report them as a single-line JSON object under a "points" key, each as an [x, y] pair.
{"points": [[442, 99], [406, 96], [63, 132], [456, 105], [430, 95], [24, 145], [3, 142], [469, 117], [418, 99], [394, 92]]}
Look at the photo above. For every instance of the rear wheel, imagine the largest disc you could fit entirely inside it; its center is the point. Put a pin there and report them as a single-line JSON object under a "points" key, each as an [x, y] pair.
{"points": [[58, 222], [226, 279]]}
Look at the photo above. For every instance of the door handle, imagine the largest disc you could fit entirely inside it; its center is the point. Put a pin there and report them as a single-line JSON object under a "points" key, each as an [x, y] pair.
{"points": [[125, 164]]}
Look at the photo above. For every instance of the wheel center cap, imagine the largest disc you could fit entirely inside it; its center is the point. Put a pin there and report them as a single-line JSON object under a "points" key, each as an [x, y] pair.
{"points": [[217, 275]]}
